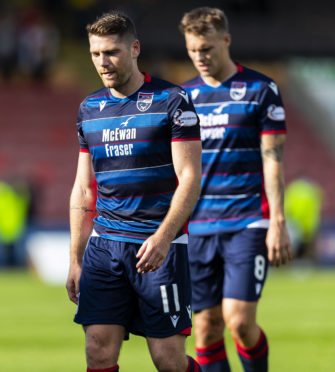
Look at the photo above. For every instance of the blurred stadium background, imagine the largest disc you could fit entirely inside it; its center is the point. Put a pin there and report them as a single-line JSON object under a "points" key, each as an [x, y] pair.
{"points": [[46, 71]]}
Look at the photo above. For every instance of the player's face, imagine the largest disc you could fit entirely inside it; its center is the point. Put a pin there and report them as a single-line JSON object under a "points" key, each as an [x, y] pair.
{"points": [[209, 53], [114, 59]]}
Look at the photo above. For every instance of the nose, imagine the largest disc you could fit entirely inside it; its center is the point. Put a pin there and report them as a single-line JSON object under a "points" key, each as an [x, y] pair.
{"points": [[103, 60], [199, 56]]}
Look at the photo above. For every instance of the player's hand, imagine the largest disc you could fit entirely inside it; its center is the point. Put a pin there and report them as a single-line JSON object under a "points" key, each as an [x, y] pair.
{"points": [[278, 244], [152, 254], [72, 283]]}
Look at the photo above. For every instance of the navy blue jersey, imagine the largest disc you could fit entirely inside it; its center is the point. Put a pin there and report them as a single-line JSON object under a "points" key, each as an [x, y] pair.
{"points": [[130, 143], [233, 116]]}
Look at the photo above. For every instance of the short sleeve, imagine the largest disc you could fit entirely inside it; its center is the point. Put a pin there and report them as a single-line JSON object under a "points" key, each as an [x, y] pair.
{"points": [[272, 111], [183, 117], [81, 137]]}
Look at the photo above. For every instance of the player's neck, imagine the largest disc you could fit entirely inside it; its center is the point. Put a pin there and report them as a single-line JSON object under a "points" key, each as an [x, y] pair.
{"points": [[133, 84], [225, 72]]}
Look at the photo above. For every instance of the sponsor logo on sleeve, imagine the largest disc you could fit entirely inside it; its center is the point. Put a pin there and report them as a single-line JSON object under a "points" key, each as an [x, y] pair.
{"points": [[276, 113], [274, 88], [185, 118], [238, 90], [144, 101]]}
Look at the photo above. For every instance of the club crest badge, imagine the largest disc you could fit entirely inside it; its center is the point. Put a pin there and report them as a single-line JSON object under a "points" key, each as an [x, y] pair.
{"points": [[144, 101], [238, 90]]}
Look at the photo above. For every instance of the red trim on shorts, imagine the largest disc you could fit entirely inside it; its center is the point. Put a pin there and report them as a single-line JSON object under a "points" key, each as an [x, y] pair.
{"points": [[186, 331], [84, 150], [111, 369]]}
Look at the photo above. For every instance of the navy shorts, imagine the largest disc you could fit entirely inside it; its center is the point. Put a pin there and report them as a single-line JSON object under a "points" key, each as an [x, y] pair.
{"points": [[230, 265], [154, 304]]}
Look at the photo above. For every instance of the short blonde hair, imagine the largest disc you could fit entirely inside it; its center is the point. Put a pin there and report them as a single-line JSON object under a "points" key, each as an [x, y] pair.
{"points": [[201, 20]]}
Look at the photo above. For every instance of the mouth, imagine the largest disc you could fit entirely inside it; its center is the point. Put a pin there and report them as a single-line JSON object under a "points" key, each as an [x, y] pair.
{"points": [[108, 74], [203, 67]]}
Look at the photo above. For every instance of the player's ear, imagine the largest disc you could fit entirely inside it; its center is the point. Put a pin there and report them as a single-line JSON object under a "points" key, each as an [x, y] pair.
{"points": [[135, 48], [227, 39]]}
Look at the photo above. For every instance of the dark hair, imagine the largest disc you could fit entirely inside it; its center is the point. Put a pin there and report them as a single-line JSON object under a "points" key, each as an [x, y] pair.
{"points": [[200, 20], [113, 23]]}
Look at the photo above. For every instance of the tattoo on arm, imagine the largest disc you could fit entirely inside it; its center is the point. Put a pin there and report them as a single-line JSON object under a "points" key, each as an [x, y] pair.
{"points": [[276, 153]]}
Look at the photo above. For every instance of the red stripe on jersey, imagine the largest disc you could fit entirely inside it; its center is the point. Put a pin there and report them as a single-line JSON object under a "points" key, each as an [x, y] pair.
{"points": [[273, 131], [84, 150], [185, 139]]}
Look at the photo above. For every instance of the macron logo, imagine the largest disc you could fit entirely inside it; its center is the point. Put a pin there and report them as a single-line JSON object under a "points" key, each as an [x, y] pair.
{"points": [[184, 95], [174, 320], [195, 93], [274, 87], [189, 311], [102, 105], [125, 123]]}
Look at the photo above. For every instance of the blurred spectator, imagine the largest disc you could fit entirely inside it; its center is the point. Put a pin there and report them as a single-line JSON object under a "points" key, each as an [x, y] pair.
{"points": [[38, 45], [14, 205], [303, 203], [8, 45]]}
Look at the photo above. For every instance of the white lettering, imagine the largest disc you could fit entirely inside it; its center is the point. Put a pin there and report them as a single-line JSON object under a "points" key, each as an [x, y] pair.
{"points": [[105, 135], [212, 133], [211, 119], [119, 150], [107, 150], [118, 134]]}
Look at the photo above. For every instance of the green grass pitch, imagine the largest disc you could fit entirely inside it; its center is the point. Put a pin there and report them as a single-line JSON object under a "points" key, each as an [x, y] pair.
{"points": [[37, 334]]}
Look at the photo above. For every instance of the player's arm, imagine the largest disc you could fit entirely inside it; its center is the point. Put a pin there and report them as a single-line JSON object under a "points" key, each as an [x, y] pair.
{"points": [[186, 157], [82, 211], [277, 240]]}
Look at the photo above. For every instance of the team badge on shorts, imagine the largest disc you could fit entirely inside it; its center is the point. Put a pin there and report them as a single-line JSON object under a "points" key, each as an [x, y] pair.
{"points": [[144, 101], [238, 90]]}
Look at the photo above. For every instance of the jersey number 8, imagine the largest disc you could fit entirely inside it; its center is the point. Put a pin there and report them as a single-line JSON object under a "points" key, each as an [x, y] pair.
{"points": [[259, 267]]}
